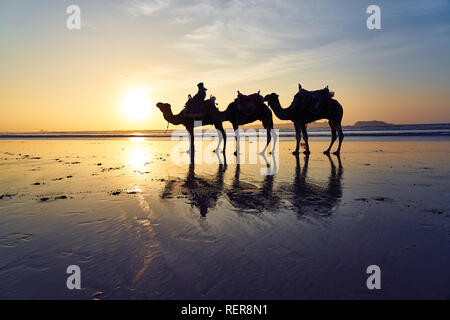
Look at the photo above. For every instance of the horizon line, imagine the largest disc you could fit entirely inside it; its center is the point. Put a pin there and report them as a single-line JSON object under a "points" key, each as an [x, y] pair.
{"points": [[42, 131]]}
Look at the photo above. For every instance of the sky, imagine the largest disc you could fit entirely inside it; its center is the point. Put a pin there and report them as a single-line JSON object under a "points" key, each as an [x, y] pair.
{"points": [[56, 79]]}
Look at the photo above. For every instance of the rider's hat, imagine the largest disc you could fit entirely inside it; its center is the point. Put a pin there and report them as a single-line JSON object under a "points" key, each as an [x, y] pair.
{"points": [[201, 86]]}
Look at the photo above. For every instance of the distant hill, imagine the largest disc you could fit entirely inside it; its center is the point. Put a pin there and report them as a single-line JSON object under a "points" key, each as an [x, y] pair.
{"points": [[372, 123]]}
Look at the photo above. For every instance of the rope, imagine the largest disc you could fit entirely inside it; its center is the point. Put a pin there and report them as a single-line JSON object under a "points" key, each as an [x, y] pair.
{"points": [[167, 127]]}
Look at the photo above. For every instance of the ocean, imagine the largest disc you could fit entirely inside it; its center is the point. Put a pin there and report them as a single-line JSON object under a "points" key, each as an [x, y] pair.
{"points": [[409, 130]]}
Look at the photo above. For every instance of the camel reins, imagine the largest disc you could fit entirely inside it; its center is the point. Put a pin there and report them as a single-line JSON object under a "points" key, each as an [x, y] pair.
{"points": [[167, 127]]}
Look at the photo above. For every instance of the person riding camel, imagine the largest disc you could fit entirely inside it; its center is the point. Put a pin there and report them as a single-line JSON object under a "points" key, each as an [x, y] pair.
{"points": [[196, 102], [201, 94]]}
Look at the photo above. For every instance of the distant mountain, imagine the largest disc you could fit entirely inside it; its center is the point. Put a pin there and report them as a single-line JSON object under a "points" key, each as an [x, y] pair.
{"points": [[372, 123]]}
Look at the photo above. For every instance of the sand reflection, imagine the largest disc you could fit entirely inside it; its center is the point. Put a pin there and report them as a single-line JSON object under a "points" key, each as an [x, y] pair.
{"points": [[306, 195], [139, 156], [303, 195], [201, 193]]}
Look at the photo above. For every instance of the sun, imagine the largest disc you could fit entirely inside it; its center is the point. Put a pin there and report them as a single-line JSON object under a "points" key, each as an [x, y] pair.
{"points": [[136, 104]]}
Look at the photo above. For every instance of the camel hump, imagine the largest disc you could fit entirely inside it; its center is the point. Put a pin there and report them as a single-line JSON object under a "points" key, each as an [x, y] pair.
{"points": [[249, 103], [199, 110], [313, 100], [322, 93]]}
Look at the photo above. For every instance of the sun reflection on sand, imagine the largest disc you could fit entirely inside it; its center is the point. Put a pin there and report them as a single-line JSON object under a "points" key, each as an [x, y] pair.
{"points": [[137, 139], [139, 156]]}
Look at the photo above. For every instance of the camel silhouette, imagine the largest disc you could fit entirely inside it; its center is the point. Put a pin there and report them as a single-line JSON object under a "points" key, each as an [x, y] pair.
{"points": [[235, 113], [238, 115], [210, 116], [301, 114]]}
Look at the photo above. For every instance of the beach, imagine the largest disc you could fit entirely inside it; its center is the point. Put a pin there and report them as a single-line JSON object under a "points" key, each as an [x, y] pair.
{"points": [[140, 226]]}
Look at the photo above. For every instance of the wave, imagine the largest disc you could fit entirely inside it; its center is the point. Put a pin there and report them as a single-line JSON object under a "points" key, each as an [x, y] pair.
{"points": [[428, 130]]}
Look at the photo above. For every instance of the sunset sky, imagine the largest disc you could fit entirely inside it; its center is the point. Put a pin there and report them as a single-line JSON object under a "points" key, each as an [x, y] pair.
{"points": [[55, 79]]}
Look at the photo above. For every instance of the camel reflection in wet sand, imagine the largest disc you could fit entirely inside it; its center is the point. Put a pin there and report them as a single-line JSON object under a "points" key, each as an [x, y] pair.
{"points": [[303, 196], [201, 193], [251, 198], [311, 197]]}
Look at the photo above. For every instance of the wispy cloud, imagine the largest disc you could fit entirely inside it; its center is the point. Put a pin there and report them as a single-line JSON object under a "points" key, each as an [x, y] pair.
{"points": [[236, 42], [146, 7]]}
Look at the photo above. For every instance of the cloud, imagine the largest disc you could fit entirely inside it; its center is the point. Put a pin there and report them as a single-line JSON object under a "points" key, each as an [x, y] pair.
{"points": [[240, 41], [238, 32], [236, 42], [146, 7]]}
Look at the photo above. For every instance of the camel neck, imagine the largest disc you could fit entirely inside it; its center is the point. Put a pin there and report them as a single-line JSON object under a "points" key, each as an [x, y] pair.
{"points": [[279, 111]]}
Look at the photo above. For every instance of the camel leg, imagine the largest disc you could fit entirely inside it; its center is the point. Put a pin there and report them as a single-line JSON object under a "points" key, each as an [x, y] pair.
{"points": [[236, 136], [191, 140], [269, 138], [298, 136], [305, 137], [267, 121], [341, 138], [275, 138], [222, 135], [333, 137]]}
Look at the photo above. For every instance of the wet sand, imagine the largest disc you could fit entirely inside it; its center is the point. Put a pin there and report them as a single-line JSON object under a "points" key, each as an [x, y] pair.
{"points": [[140, 226]]}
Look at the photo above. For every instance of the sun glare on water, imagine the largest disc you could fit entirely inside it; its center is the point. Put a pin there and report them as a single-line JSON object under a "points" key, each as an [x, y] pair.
{"points": [[136, 104]]}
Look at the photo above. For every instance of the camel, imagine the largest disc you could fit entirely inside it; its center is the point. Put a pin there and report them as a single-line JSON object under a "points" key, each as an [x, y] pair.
{"points": [[211, 116], [298, 113], [235, 113], [258, 110]]}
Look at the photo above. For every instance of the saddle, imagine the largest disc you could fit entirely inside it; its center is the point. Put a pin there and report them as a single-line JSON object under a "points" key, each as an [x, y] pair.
{"points": [[248, 104], [198, 109], [311, 100]]}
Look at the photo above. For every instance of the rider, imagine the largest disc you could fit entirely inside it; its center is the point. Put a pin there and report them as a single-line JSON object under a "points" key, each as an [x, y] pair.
{"points": [[201, 94], [198, 99]]}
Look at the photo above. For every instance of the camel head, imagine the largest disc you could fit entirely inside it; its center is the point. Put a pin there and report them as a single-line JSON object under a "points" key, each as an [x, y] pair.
{"points": [[164, 107], [271, 99]]}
